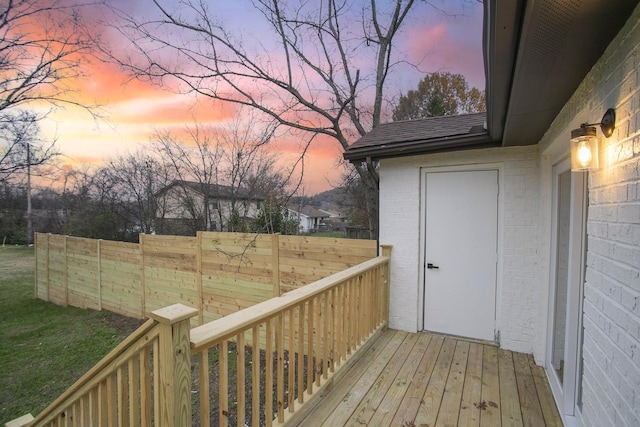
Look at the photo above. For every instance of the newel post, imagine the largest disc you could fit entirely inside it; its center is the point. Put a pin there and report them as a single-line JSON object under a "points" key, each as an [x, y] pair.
{"points": [[173, 381]]}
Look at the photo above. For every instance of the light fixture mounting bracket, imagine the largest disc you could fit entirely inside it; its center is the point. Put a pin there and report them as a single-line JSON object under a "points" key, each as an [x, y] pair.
{"points": [[607, 124]]}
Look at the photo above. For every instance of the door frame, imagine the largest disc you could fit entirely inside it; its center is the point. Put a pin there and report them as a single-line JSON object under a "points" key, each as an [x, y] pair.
{"points": [[565, 393], [499, 167]]}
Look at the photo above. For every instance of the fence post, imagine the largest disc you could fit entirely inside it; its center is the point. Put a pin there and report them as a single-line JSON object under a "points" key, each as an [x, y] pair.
{"points": [[99, 256], [199, 277], [48, 250], [66, 274], [275, 261], [35, 252], [142, 284], [174, 365]]}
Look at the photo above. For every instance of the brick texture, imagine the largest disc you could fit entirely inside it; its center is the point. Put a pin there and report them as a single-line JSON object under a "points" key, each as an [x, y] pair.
{"points": [[611, 313]]}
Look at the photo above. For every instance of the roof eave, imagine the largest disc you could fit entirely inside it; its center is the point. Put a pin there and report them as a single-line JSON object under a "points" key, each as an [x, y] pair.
{"points": [[450, 143]]}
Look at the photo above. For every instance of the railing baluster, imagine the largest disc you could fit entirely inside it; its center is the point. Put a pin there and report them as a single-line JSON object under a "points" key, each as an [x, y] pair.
{"points": [[341, 325], [269, 374], [280, 365], [156, 382], [255, 377], [333, 330], [145, 387], [223, 384], [134, 387], [93, 402], [111, 400], [240, 378], [359, 311], [349, 289], [369, 290], [310, 337], [102, 410], [121, 381], [203, 382], [291, 366], [301, 322], [317, 323], [326, 345]]}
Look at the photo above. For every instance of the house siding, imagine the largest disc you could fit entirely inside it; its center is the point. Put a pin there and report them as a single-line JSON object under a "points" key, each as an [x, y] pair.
{"points": [[401, 197], [611, 319]]}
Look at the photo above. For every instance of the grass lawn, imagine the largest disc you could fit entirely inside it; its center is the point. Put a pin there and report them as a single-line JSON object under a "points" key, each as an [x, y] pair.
{"points": [[45, 348]]}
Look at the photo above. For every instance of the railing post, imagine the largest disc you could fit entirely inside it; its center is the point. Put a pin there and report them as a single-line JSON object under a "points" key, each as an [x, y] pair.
{"points": [[386, 252], [174, 365]]}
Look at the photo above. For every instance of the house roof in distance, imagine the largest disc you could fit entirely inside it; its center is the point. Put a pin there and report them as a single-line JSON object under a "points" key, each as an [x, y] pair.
{"points": [[217, 191], [308, 211], [431, 134]]}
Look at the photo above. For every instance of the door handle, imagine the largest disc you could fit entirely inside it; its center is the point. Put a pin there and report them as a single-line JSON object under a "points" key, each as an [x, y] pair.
{"points": [[431, 266]]}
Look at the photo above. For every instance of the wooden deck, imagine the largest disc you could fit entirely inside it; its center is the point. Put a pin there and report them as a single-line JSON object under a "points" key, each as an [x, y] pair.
{"points": [[432, 380]]}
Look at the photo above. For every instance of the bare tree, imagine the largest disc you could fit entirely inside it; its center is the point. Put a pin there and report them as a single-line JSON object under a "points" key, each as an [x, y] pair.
{"points": [[22, 152], [323, 73], [42, 44], [22, 149], [131, 183]]}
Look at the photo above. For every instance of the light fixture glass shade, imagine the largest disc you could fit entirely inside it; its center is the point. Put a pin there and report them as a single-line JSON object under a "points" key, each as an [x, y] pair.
{"points": [[584, 149]]}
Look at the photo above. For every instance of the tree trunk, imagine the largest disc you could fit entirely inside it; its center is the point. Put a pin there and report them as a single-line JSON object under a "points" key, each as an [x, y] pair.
{"points": [[369, 177]]}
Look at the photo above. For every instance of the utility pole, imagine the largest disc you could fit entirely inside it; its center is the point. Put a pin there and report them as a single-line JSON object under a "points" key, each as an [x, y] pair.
{"points": [[29, 221]]}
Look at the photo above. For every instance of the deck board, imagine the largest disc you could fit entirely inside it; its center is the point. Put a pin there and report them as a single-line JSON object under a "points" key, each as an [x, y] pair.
{"points": [[529, 403], [430, 379], [490, 403], [367, 408], [472, 392], [509, 402], [387, 409], [452, 398], [412, 399]]}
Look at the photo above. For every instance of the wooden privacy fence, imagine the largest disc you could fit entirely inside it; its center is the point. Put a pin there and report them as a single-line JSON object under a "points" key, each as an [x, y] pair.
{"points": [[256, 367], [217, 273]]}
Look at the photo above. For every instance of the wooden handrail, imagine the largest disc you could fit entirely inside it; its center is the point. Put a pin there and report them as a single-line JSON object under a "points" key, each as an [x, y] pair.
{"points": [[210, 333]]}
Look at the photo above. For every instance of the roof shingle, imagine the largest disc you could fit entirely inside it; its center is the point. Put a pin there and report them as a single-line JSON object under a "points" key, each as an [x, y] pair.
{"points": [[414, 136]]}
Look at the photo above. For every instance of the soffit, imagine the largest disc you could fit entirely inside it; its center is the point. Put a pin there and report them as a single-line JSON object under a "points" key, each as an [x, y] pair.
{"points": [[557, 44]]}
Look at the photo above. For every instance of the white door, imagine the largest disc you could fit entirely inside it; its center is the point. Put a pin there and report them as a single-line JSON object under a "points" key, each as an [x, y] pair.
{"points": [[461, 229]]}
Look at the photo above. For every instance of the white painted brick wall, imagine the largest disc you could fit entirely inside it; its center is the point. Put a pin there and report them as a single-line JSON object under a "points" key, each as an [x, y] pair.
{"points": [[611, 381], [400, 199]]}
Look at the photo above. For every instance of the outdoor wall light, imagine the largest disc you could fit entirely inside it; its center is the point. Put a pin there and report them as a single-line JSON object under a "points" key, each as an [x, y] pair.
{"points": [[584, 142]]}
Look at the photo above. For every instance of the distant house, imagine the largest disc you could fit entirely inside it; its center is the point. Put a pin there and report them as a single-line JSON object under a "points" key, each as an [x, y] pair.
{"points": [[496, 236], [309, 218], [184, 207]]}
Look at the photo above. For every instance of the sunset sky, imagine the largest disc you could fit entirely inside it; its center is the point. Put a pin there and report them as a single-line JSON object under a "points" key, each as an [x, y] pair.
{"points": [[133, 111]]}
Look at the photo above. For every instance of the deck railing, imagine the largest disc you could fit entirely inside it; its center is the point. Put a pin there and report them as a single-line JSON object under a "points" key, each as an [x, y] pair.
{"points": [[255, 367], [275, 356]]}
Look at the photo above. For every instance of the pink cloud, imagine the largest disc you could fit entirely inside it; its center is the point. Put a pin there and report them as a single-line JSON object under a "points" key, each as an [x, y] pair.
{"points": [[450, 46]]}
